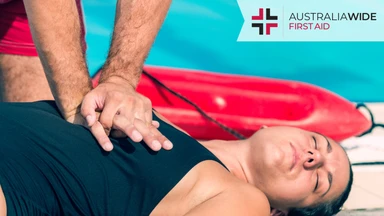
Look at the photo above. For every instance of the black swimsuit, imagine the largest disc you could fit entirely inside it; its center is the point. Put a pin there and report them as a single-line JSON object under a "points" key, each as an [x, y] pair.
{"points": [[51, 167]]}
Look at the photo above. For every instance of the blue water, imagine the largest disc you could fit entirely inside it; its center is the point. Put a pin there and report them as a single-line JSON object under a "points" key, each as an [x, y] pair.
{"points": [[202, 35]]}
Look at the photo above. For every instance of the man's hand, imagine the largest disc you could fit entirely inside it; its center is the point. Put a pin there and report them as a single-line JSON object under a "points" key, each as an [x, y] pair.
{"points": [[123, 112]]}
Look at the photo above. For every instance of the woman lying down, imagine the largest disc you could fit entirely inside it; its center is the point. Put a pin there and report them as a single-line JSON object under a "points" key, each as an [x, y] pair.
{"points": [[51, 167]]}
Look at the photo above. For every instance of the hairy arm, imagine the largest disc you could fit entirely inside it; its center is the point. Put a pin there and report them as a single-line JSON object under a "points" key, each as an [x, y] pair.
{"points": [[55, 27], [242, 200], [137, 23]]}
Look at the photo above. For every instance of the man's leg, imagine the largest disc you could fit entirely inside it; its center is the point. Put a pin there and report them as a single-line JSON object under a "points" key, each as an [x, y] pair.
{"points": [[22, 79]]}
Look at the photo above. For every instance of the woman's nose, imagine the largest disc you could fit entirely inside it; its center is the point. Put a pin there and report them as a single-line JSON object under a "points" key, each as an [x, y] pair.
{"points": [[313, 159]]}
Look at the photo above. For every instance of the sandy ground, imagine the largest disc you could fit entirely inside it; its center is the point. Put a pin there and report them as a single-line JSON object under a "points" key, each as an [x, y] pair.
{"points": [[367, 195]]}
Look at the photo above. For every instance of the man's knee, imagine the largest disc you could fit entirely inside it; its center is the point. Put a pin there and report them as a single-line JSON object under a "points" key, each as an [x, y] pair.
{"points": [[22, 79]]}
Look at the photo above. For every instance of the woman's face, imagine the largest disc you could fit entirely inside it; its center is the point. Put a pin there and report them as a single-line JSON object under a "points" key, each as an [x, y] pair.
{"points": [[297, 168]]}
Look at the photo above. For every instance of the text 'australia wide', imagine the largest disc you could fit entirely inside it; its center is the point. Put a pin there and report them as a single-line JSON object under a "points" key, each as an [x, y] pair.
{"points": [[317, 16]]}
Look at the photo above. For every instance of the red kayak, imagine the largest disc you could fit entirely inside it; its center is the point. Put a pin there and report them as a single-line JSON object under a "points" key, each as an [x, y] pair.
{"points": [[245, 103]]}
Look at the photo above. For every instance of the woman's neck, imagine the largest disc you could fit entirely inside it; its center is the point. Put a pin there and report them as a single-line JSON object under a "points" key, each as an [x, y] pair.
{"points": [[233, 154]]}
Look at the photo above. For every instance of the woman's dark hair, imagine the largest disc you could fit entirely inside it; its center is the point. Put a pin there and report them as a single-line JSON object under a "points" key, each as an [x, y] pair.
{"points": [[325, 209]]}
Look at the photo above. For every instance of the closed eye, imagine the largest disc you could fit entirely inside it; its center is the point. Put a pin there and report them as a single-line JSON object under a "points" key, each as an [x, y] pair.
{"points": [[317, 182], [317, 175], [314, 139]]}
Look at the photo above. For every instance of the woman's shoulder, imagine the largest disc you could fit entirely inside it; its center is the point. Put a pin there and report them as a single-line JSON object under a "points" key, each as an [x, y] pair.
{"points": [[229, 195], [228, 191], [209, 182]]}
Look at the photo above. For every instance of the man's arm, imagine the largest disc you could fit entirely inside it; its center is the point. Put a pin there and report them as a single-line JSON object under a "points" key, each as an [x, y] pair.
{"points": [[55, 26], [242, 200], [137, 23]]}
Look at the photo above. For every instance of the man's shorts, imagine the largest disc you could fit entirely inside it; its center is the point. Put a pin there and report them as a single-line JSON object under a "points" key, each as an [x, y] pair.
{"points": [[15, 34]]}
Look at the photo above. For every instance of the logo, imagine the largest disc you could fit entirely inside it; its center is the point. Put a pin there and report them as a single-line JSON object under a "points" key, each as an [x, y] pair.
{"points": [[325, 20], [267, 25]]}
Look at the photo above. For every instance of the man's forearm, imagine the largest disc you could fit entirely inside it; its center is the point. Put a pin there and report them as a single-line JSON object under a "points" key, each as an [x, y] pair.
{"points": [[56, 30], [137, 23]]}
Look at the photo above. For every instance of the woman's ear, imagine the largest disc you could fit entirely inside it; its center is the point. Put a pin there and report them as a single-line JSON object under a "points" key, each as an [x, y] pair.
{"points": [[275, 212]]}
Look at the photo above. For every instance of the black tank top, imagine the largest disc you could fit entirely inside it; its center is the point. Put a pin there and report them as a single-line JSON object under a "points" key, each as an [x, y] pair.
{"points": [[51, 167]]}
